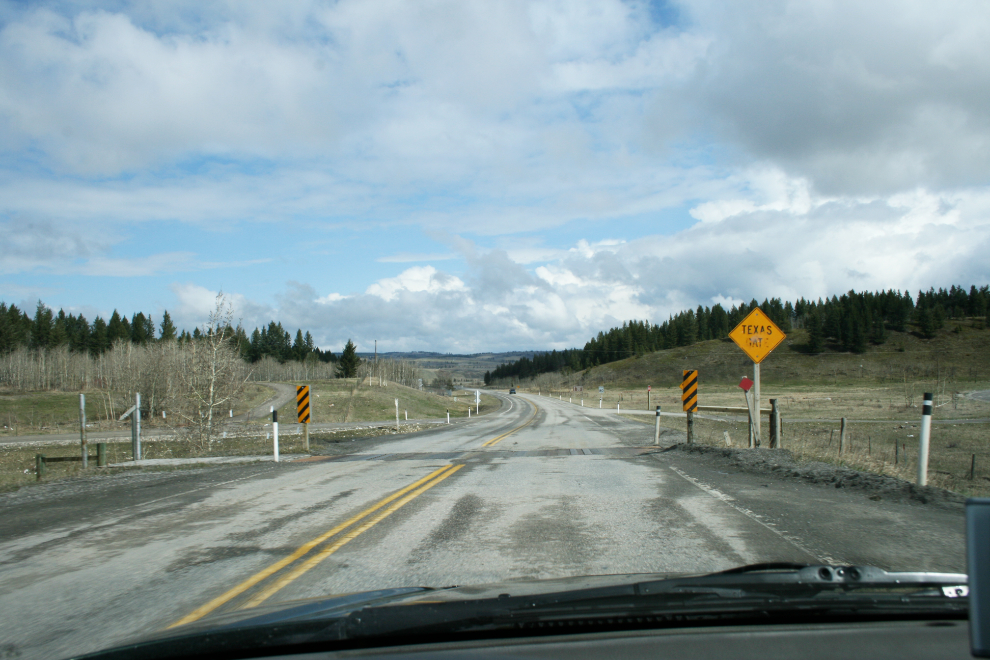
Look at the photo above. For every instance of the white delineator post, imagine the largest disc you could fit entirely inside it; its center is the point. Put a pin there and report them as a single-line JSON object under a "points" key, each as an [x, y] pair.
{"points": [[275, 431], [82, 431], [926, 432], [396, 414], [448, 416], [656, 431]]}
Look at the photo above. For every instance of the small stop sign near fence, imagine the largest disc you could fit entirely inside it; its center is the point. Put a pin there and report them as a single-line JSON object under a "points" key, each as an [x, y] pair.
{"points": [[746, 384]]}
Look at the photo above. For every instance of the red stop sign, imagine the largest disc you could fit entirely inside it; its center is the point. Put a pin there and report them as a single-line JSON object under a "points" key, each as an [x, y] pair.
{"points": [[745, 383]]}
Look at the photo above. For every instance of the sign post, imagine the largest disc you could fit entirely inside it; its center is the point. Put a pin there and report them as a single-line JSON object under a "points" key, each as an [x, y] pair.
{"points": [[689, 399], [302, 412], [746, 384], [757, 336]]}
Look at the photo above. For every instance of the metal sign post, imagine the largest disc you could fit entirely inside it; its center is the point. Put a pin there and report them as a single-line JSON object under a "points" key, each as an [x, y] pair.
{"points": [[757, 336], [302, 412], [135, 414], [689, 399]]}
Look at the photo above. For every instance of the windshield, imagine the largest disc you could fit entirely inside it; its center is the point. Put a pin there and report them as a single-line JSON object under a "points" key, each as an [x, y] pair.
{"points": [[307, 300]]}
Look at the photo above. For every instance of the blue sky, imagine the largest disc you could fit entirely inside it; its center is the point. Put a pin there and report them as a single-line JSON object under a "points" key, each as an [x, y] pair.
{"points": [[471, 176]]}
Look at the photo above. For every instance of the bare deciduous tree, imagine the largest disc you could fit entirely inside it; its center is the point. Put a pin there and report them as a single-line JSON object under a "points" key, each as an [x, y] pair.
{"points": [[211, 373]]}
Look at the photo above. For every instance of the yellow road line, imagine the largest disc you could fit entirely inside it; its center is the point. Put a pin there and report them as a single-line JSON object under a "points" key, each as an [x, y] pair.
{"points": [[494, 441], [303, 549], [298, 571]]}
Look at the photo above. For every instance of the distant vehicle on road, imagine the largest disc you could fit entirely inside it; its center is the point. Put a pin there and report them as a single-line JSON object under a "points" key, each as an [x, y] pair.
{"points": [[512, 390]]}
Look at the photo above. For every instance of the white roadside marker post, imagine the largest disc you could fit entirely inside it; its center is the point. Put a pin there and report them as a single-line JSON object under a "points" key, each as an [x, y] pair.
{"points": [[82, 431], [926, 432], [396, 414], [448, 416], [656, 431], [275, 431]]}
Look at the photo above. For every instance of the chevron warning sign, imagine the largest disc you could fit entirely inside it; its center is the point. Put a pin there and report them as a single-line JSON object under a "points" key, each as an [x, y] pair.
{"points": [[302, 404], [689, 390]]}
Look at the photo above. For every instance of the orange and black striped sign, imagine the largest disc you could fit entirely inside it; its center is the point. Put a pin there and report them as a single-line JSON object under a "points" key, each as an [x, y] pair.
{"points": [[302, 404], [689, 390]]}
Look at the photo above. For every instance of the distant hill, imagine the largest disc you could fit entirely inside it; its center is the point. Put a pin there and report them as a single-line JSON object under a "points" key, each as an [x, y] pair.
{"points": [[465, 370], [958, 354]]}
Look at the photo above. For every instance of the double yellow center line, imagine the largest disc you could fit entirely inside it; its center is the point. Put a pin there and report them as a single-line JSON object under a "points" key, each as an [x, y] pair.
{"points": [[494, 441], [370, 517], [396, 500]]}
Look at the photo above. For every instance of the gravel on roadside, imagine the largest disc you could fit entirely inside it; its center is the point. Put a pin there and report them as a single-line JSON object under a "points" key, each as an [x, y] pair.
{"points": [[781, 464]]}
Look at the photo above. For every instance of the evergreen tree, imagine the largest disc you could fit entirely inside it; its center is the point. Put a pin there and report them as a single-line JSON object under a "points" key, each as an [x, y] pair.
{"points": [[100, 337], [299, 347], [116, 329], [167, 327], [139, 329], [878, 334], [816, 335], [41, 329], [926, 324], [347, 365]]}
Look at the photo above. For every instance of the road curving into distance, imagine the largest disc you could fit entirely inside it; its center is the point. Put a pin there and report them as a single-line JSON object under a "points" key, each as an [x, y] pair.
{"points": [[540, 489]]}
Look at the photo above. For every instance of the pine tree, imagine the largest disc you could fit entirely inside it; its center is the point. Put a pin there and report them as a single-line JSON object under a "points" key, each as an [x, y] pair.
{"points": [[139, 329], [926, 325], [878, 335], [347, 365], [100, 337], [116, 329], [299, 347], [41, 329], [816, 336], [167, 327]]}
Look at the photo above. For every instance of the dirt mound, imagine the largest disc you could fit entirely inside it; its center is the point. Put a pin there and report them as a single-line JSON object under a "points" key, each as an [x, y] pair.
{"points": [[781, 464]]}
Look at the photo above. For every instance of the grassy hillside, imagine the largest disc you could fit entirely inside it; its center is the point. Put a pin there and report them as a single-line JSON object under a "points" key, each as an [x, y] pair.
{"points": [[958, 357]]}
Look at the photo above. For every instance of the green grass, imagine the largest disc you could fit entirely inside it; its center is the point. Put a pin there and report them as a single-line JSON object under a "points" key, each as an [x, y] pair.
{"points": [[29, 413], [959, 357], [343, 400]]}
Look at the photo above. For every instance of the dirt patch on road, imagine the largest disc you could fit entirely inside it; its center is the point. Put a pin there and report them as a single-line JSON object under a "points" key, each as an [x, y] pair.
{"points": [[781, 464]]}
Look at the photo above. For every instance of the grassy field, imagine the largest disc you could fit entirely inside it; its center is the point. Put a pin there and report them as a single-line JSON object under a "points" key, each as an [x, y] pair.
{"points": [[332, 401], [870, 447], [344, 400], [29, 413], [956, 358]]}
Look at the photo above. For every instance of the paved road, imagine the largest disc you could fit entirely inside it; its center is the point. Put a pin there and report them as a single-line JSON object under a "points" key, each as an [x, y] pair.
{"points": [[283, 394], [541, 489]]}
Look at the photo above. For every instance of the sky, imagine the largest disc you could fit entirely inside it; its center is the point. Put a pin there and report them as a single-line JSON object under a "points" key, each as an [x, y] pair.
{"points": [[485, 176]]}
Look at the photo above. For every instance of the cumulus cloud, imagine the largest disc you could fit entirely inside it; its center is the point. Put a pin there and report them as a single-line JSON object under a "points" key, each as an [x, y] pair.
{"points": [[909, 242], [773, 148], [859, 97]]}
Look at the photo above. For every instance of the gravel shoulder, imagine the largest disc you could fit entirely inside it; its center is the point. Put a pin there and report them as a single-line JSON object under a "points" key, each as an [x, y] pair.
{"points": [[780, 464]]}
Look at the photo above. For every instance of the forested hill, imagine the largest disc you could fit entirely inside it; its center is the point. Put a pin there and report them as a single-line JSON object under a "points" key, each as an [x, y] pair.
{"points": [[47, 329], [847, 323]]}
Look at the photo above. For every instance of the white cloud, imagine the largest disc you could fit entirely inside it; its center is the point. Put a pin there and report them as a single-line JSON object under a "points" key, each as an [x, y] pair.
{"points": [[909, 242], [415, 280]]}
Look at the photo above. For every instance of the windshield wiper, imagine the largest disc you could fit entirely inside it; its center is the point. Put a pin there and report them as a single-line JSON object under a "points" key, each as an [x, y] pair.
{"points": [[764, 593], [758, 594]]}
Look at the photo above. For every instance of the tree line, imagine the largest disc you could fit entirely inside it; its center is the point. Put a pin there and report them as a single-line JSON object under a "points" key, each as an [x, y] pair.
{"points": [[850, 322], [49, 330]]}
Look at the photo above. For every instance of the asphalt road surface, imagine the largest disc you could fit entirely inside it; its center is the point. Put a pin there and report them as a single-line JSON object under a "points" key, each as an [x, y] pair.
{"points": [[540, 489]]}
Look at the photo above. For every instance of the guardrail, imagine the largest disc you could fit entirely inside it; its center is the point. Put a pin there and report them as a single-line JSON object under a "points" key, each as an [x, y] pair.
{"points": [[41, 461]]}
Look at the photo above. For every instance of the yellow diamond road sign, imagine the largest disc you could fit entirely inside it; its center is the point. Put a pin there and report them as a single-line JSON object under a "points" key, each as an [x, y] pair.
{"points": [[757, 335]]}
